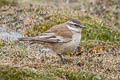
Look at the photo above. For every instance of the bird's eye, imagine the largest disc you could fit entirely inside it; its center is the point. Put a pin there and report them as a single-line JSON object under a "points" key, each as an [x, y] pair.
{"points": [[77, 25]]}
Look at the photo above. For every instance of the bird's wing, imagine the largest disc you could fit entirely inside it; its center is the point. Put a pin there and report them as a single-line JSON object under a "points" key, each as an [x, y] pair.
{"points": [[46, 37], [59, 34], [61, 30]]}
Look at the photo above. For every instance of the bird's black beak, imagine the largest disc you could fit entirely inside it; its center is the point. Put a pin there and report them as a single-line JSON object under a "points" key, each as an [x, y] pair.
{"points": [[81, 26]]}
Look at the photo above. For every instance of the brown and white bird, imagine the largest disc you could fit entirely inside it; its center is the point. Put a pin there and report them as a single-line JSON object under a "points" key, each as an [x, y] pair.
{"points": [[60, 38]]}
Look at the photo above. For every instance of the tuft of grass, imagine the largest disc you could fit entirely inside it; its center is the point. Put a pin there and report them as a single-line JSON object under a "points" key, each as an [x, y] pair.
{"points": [[7, 2], [54, 73], [1, 43], [61, 74], [99, 30], [16, 73]]}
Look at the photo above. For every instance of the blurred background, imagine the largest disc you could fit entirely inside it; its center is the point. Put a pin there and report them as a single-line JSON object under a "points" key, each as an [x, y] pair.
{"points": [[108, 10]]}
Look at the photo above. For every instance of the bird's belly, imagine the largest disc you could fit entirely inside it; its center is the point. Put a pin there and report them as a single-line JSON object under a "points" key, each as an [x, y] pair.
{"points": [[64, 47]]}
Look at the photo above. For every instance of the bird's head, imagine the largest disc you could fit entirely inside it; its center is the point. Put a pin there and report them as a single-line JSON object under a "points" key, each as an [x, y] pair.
{"points": [[75, 25]]}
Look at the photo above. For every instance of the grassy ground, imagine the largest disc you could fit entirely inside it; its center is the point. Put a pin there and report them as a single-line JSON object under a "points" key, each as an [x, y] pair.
{"points": [[16, 73], [97, 58]]}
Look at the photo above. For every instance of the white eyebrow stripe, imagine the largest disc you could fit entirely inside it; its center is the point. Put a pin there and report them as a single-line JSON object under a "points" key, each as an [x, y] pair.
{"points": [[73, 29], [72, 22]]}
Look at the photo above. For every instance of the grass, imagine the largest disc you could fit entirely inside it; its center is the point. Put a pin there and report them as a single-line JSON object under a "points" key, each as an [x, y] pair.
{"points": [[72, 75], [3, 2], [99, 30], [17, 73], [98, 37], [1, 43]]}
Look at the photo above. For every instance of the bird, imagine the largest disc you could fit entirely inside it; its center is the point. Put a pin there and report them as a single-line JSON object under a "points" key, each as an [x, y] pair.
{"points": [[60, 38]]}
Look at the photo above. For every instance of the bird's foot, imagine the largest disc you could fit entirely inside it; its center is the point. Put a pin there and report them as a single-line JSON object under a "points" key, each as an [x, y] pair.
{"points": [[76, 49], [63, 59]]}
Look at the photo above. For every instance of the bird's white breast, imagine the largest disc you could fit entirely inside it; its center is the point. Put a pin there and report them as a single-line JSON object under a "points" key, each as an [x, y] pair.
{"points": [[76, 38], [70, 46], [75, 41]]}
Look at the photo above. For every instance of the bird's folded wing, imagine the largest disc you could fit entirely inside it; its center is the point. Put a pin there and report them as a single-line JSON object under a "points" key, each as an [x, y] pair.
{"points": [[47, 37]]}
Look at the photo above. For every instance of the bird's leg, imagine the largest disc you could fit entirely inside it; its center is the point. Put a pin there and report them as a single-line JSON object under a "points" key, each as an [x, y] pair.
{"points": [[62, 58], [76, 48]]}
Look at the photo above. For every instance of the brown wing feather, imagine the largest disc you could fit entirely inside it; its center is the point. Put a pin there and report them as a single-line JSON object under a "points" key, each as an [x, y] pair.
{"points": [[61, 30]]}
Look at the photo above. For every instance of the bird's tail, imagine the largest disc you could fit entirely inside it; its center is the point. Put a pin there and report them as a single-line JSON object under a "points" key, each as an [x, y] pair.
{"points": [[26, 39]]}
